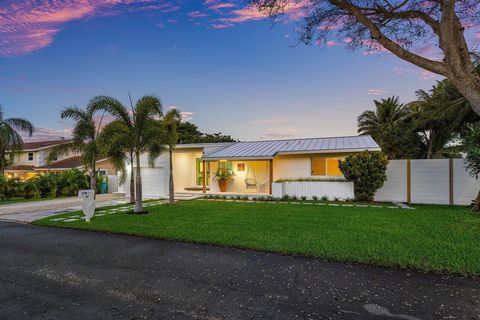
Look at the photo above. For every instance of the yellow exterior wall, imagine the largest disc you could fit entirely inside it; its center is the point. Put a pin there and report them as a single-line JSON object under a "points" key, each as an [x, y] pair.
{"points": [[184, 168], [299, 166]]}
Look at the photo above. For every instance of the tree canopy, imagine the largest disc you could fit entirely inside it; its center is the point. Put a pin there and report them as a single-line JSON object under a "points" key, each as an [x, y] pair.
{"points": [[189, 133], [400, 27]]}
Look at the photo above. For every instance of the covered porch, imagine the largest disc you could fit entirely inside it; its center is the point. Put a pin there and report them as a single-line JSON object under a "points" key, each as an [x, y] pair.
{"points": [[248, 176], [195, 172]]}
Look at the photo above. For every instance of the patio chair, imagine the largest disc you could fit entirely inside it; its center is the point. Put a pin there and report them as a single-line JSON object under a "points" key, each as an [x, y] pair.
{"points": [[250, 182]]}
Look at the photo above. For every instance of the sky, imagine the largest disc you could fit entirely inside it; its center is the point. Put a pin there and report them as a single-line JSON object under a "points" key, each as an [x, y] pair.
{"points": [[226, 67]]}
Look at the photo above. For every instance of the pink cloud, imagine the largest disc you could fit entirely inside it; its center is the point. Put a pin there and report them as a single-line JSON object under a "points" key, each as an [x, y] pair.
{"points": [[27, 26], [293, 10], [197, 14]]}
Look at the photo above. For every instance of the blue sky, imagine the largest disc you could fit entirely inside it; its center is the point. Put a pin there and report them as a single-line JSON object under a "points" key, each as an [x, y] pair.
{"points": [[229, 72]]}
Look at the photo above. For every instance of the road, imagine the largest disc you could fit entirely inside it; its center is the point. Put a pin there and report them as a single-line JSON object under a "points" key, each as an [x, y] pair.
{"points": [[49, 273]]}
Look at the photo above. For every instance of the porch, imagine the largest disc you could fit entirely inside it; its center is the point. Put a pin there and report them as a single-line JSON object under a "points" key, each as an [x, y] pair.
{"points": [[199, 176]]}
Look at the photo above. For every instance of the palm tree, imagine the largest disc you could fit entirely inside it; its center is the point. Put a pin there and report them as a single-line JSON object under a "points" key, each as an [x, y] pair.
{"points": [[140, 131], [436, 131], [84, 141], [170, 123], [11, 142], [389, 126]]}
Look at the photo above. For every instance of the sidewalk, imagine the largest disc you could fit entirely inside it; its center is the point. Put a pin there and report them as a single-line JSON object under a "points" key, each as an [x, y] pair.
{"points": [[30, 211]]}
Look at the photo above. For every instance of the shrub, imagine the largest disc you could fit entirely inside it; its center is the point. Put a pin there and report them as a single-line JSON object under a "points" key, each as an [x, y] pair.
{"points": [[304, 198], [315, 198], [367, 171], [324, 198], [30, 189]]}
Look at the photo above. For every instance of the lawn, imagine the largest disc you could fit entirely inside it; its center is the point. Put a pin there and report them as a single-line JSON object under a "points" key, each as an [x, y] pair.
{"points": [[428, 238]]}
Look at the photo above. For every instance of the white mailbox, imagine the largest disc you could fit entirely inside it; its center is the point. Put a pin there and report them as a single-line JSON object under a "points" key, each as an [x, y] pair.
{"points": [[88, 204]]}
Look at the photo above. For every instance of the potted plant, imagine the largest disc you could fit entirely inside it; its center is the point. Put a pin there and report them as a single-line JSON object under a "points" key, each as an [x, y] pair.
{"points": [[222, 176]]}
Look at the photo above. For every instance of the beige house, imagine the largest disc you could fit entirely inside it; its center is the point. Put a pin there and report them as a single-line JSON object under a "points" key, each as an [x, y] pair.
{"points": [[32, 161], [255, 164]]}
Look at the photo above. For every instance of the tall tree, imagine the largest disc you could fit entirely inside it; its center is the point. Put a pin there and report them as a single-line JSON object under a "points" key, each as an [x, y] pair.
{"points": [[436, 132], [170, 122], [189, 133], [388, 125], [11, 142], [472, 158], [84, 140], [399, 27], [140, 130]]}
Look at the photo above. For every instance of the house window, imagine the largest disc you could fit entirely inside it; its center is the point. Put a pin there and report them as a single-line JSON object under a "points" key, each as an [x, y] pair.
{"points": [[241, 167], [30, 156], [325, 167], [102, 173]]}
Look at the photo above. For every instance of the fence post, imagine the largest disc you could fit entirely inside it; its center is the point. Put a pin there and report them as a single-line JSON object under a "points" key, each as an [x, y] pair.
{"points": [[409, 181], [450, 182]]}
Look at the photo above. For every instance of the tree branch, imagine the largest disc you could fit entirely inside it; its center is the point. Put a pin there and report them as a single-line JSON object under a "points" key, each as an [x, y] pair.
{"points": [[427, 64]]}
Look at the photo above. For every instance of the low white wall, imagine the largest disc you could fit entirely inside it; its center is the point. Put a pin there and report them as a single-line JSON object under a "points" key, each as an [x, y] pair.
{"points": [[341, 190]]}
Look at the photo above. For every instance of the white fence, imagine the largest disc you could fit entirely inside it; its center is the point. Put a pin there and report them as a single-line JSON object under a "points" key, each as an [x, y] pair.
{"points": [[436, 181], [330, 189]]}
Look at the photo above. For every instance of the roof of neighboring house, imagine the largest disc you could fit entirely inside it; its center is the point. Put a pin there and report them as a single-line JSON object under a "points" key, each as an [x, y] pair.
{"points": [[270, 148], [20, 168], [69, 163], [31, 146]]}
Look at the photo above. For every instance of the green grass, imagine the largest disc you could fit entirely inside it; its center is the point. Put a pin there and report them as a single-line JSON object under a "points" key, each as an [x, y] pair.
{"points": [[429, 238]]}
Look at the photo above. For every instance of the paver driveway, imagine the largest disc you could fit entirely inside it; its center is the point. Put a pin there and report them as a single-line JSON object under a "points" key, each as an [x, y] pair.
{"points": [[48, 273]]}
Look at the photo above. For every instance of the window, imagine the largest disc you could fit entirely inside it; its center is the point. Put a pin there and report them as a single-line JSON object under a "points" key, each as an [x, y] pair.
{"points": [[240, 166], [325, 167], [30, 156], [102, 173]]}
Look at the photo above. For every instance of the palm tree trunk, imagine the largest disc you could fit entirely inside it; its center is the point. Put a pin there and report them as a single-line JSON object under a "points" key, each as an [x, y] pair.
{"points": [[138, 187], [93, 180], [429, 149], [476, 205], [132, 180], [171, 187]]}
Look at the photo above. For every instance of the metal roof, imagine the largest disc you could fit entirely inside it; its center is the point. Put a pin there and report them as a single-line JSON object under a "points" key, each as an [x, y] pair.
{"points": [[270, 148]]}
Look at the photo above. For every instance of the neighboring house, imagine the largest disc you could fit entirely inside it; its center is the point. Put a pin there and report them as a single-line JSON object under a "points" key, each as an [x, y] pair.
{"points": [[259, 163], [32, 161]]}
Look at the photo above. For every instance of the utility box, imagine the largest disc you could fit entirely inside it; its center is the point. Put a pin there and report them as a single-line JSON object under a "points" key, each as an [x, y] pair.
{"points": [[88, 203]]}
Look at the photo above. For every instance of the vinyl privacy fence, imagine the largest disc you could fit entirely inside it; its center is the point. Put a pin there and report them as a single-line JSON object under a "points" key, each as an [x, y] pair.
{"points": [[434, 181]]}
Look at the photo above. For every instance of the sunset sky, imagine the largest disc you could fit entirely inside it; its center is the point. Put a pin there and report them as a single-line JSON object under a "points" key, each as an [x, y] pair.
{"points": [[226, 67]]}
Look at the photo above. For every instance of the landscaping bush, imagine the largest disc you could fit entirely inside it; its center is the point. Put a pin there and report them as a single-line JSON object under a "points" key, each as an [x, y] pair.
{"points": [[366, 171], [30, 189]]}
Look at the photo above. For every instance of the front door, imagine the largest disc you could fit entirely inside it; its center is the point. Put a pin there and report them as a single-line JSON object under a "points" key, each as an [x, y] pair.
{"points": [[199, 172]]}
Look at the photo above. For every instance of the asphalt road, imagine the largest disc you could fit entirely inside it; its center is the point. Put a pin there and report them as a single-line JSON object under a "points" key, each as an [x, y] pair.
{"points": [[48, 273]]}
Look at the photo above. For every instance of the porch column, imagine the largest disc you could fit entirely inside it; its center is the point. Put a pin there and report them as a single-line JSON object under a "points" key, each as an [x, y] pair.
{"points": [[270, 166], [204, 176]]}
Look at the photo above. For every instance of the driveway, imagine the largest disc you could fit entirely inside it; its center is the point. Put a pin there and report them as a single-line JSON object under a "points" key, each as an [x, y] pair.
{"points": [[49, 273], [34, 210]]}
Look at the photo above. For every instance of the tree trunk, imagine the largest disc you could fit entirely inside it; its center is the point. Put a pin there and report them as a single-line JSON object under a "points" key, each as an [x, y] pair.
{"points": [[476, 205], [171, 187], [132, 180], [138, 187], [93, 180], [429, 148], [470, 90]]}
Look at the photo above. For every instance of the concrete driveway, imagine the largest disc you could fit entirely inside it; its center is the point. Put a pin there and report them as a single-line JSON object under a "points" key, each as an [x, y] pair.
{"points": [[30, 211], [50, 273]]}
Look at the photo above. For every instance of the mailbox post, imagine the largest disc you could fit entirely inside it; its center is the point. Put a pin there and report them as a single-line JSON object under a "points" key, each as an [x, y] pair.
{"points": [[88, 203]]}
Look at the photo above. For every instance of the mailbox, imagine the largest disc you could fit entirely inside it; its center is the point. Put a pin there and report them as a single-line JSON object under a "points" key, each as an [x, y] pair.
{"points": [[88, 203]]}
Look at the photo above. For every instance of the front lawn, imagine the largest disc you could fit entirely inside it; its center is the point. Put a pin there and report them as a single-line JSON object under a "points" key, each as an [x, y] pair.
{"points": [[428, 238]]}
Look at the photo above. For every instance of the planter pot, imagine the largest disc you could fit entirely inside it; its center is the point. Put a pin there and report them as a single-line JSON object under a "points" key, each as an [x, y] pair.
{"points": [[222, 185]]}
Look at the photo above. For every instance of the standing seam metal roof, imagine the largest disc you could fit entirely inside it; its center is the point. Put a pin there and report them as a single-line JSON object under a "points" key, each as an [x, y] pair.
{"points": [[270, 148]]}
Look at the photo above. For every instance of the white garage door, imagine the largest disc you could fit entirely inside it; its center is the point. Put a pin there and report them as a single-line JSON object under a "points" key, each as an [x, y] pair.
{"points": [[153, 182]]}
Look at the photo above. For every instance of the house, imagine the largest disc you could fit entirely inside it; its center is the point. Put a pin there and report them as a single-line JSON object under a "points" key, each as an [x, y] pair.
{"points": [[255, 164], [32, 161]]}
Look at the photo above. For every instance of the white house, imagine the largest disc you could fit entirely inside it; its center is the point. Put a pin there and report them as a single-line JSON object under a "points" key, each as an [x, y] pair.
{"points": [[255, 164]]}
